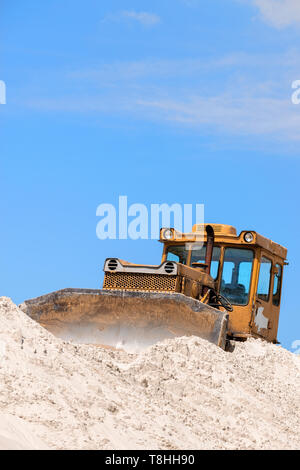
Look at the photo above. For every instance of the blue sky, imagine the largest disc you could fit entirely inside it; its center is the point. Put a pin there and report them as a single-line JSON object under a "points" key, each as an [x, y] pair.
{"points": [[144, 99]]}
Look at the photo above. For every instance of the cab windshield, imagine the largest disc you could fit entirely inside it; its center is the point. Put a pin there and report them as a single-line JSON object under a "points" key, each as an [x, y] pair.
{"points": [[236, 276], [177, 253], [198, 256], [236, 272]]}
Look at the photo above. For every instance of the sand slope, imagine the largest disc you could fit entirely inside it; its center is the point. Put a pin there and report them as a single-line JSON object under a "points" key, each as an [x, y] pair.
{"points": [[16, 434], [181, 394]]}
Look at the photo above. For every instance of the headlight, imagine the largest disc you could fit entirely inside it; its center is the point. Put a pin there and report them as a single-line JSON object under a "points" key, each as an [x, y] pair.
{"points": [[168, 234], [248, 237]]}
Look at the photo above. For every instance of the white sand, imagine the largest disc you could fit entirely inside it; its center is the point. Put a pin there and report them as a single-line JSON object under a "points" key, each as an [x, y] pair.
{"points": [[180, 394], [16, 434]]}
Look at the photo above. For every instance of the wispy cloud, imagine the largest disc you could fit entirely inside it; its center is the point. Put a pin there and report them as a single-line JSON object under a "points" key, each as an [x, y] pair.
{"points": [[279, 13], [274, 119], [243, 115], [142, 17], [147, 19], [255, 100], [193, 67]]}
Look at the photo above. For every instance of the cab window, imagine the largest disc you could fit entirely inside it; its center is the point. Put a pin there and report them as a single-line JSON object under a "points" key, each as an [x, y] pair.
{"points": [[277, 285], [264, 280], [198, 256], [177, 253], [236, 275]]}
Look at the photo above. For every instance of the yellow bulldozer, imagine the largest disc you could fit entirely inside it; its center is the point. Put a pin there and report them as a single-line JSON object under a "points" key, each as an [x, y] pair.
{"points": [[211, 283]]}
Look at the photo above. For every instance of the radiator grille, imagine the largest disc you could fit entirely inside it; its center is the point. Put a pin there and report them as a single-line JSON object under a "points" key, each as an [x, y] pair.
{"points": [[139, 281]]}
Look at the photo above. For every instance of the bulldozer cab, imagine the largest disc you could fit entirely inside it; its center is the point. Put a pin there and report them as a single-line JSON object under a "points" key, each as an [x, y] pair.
{"points": [[211, 283], [247, 270]]}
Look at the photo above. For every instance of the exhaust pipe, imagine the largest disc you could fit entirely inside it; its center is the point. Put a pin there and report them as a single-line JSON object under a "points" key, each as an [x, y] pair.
{"points": [[209, 247]]}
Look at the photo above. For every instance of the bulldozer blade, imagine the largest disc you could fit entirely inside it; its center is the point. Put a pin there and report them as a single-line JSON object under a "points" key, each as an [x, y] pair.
{"points": [[126, 320]]}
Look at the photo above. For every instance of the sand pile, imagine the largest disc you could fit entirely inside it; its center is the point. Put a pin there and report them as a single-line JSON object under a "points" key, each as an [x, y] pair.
{"points": [[180, 394]]}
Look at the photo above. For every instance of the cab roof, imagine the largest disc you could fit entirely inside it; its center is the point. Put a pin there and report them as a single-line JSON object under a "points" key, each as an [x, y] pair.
{"points": [[225, 234]]}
